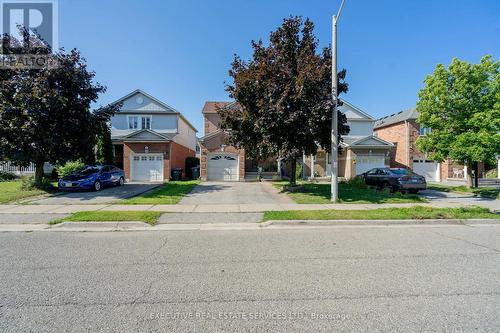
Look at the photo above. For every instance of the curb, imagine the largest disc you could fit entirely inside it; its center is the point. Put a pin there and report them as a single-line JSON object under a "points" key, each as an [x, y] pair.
{"points": [[274, 224], [381, 222]]}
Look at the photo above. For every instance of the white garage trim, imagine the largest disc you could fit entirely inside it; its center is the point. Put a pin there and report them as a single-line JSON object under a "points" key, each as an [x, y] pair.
{"points": [[365, 163], [151, 158], [223, 166], [426, 168]]}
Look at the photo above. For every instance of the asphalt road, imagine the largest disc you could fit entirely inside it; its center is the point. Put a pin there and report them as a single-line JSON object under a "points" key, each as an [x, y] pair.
{"points": [[329, 279]]}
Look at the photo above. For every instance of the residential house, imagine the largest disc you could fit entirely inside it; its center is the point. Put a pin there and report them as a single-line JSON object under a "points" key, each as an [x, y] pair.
{"points": [[150, 138], [360, 149], [219, 161], [403, 131]]}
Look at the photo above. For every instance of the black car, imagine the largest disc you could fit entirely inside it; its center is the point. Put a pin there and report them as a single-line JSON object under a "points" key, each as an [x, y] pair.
{"points": [[395, 179]]}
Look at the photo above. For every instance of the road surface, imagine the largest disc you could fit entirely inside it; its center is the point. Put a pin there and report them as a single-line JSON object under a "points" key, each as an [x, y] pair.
{"points": [[399, 278]]}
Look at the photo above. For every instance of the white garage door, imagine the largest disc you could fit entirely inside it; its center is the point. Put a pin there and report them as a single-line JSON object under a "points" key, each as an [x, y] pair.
{"points": [[222, 167], [428, 169], [365, 163], [147, 167]]}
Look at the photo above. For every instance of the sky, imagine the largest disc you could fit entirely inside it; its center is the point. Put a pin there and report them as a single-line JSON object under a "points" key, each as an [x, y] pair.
{"points": [[180, 51]]}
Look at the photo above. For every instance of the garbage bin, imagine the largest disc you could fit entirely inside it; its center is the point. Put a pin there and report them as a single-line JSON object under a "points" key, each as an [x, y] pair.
{"points": [[195, 172], [176, 174]]}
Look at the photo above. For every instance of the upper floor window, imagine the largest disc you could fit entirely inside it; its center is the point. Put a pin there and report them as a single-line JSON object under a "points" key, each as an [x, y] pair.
{"points": [[146, 122], [425, 130], [133, 122], [139, 122]]}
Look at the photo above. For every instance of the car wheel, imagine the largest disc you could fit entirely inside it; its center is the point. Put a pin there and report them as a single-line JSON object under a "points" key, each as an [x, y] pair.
{"points": [[413, 191], [121, 182], [97, 186]]}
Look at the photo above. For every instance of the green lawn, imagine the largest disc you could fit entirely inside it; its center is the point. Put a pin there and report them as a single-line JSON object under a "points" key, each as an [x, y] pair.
{"points": [[417, 212], [168, 194], [112, 216], [11, 192], [485, 192], [319, 193]]}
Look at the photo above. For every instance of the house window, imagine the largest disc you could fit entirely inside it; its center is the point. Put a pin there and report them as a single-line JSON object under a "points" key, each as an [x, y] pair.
{"points": [[138, 122], [146, 122], [424, 130], [133, 122]]}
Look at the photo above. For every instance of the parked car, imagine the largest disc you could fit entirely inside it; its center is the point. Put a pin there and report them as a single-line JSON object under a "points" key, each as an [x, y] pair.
{"points": [[396, 179], [93, 177]]}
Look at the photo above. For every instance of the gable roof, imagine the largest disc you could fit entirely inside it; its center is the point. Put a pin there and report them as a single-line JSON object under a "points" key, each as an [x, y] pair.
{"points": [[213, 106], [395, 118], [148, 135], [168, 108], [356, 109], [366, 141], [211, 135]]}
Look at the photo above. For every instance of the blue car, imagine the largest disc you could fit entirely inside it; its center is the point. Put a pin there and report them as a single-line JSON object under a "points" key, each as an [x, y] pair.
{"points": [[93, 177]]}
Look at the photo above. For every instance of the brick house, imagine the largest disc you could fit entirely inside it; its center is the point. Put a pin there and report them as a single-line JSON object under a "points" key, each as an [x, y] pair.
{"points": [[219, 161], [150, 138], [403, 131]]}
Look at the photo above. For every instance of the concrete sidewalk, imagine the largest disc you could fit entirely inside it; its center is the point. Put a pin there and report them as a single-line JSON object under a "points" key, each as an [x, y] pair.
{"points": [[291, 224], [235, 208]]}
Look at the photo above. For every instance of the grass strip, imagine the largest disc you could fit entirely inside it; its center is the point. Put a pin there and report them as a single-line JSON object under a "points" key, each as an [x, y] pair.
{"points": [[413, 213], [111, 216]]}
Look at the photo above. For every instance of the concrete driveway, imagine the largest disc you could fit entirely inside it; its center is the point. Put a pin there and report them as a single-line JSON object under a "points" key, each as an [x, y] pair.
{"points": [[452, 199], [106, 195], [234, 193]]}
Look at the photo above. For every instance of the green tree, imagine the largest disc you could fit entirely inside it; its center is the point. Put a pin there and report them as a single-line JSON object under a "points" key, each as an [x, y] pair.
{"points": [[45, 114], [104, 146], [283, 95], [461, 104]]}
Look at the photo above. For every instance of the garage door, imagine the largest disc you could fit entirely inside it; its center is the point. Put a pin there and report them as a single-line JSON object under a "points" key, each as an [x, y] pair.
{"points": [[147, 167], [428, 169], [366, 162], [222, 167]]}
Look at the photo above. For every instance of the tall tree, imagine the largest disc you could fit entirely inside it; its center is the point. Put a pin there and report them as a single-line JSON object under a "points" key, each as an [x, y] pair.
{"points": [[461, 105], [45, 113], [284, 96], [104, 145]]}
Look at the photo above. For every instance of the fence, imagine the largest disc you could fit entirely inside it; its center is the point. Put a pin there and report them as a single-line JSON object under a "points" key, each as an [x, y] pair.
{"points": [[7, 166]]}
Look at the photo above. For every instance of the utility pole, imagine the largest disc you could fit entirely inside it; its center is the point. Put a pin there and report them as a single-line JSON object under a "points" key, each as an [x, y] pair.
{"points": [[334, 134]]}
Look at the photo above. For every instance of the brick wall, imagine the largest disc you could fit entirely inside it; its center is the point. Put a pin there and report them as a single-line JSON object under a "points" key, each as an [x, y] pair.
{"points": [[396, 134], [179, 155], [213, 145], [154, 147], [212, 122]]}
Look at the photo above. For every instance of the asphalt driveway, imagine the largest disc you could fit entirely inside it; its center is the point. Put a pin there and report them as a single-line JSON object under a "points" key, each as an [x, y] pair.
{"points": [[106, 195], [234, 193]]}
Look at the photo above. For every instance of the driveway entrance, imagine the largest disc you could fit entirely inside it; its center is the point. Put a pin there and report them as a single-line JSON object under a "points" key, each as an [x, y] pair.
{"points": [[234, 193]]}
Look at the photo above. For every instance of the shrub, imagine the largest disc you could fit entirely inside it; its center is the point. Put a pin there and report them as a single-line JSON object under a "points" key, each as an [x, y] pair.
{"points": [[69, 168], [6, 176], [357, 182], [28, 184], [191, 162]]}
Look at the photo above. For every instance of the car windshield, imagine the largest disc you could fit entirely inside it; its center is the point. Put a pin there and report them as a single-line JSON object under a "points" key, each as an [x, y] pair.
{"points": [[401, 172], [88, 170]]}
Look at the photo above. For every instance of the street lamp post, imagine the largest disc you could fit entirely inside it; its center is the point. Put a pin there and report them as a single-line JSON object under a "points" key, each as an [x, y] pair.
{"points": [[334, 134]]}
